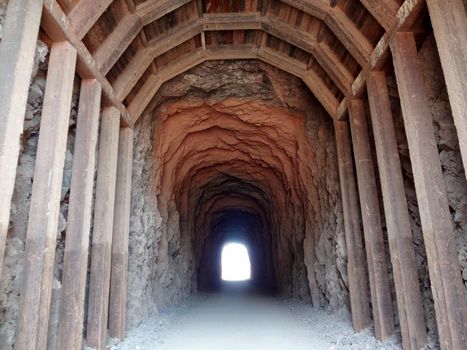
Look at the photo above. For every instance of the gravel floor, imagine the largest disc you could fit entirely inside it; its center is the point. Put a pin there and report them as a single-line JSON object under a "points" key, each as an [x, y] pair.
{"points": [[236, 322]]}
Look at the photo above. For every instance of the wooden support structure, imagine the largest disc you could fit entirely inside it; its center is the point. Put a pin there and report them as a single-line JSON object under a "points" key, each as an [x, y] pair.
{"points": [[85, 14], [121, 230], [58, 27], [383, 315], [405, 17], [384, 11], [358, 283], [75, 261], [99, 284], [17, 49], [450, 28], [443, 265], [404, 264], [44, 209]]}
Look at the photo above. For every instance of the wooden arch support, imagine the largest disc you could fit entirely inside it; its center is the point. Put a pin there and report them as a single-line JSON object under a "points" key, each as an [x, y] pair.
{"points": [[310, 78], [328, 60]]}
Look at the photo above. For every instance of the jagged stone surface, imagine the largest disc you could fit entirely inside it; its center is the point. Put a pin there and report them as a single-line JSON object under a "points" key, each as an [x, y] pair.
{"points": [[235, 136]]}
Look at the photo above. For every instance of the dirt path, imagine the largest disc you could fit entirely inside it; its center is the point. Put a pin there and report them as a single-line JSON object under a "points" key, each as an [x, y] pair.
{"points": [[244, 322]]}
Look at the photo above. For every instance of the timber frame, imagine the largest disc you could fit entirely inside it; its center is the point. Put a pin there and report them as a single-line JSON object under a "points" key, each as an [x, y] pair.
{"points": [[124, 50]]}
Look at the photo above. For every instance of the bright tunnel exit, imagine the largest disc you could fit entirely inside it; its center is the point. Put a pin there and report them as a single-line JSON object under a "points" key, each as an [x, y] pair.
{"points": [[235, 262]]}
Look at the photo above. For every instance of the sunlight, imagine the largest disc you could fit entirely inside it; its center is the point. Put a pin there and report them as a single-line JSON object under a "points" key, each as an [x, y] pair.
{"points": [[235, 263]]}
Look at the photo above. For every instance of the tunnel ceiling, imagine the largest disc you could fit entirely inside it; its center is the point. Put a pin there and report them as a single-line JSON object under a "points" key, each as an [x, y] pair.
{"points": [[138, 45]]}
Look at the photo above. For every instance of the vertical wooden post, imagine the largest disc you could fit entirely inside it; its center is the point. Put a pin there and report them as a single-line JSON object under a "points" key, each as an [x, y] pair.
{"points": [[118, 287], [404, 264], [17, 49], [383, 315], [446, 284], [70, 326], [358, 283], [45, 200], [449, 23], [98, 304]]}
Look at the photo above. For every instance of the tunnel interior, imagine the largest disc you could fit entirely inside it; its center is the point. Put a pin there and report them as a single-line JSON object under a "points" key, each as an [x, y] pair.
{"points": [[235, 151]]}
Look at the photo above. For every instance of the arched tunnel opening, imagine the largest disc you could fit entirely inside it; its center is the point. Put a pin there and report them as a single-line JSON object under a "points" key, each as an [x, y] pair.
{"points": [[245, 229]]}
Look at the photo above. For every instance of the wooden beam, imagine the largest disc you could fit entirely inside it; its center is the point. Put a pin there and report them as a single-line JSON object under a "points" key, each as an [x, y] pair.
{"points": [[316, 9], [450, 28], [404, 263], [136, 68], [142, 60], [117, 42], [44, 209], [405, 17], [349, 35], [342, 27], [85, 14], [57, 26], [384, 11], [321, 92], [151, 11], [358, 283], [322, 54], [150, 87], [119, 270], [99, 283], [443, 264], [75, 261], [383, 315], [17, 49], [231, 21], [281, 61]]}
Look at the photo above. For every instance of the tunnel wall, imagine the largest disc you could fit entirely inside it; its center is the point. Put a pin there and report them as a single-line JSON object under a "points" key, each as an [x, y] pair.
{"points": [[247, 86]]}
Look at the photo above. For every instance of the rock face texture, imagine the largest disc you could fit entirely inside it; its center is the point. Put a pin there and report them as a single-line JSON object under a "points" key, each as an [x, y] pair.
{"points": [[235, 151]]}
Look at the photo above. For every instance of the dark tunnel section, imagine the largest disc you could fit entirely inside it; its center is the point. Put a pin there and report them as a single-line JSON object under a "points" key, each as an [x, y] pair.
{"points": [[237, 226]]}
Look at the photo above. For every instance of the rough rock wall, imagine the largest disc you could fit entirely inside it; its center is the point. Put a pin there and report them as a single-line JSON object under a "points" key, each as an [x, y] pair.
{"points": [[161, 230]]}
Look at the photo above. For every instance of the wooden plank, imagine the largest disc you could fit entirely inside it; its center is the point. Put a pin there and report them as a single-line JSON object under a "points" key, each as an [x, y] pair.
{"points": [[404, 263], [17, 49], [102, 230], [150, 87], [349, 35], [41, 234], [85, 14], [151, 11], [142, 60], [320, 90], [407, 14], [317, 9], [323, 55], [57, 26], [144, 96], [281, 61], [231, 21], [119, 270], [117, 42], [384, 11], [75, 261], [342, 27], [450, 28], [358, 283], [99, 283], [383, 315], [443, 265]]}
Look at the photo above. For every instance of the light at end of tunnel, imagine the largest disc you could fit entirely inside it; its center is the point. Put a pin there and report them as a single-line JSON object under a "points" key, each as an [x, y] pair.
{"points": [[235, 263]]}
